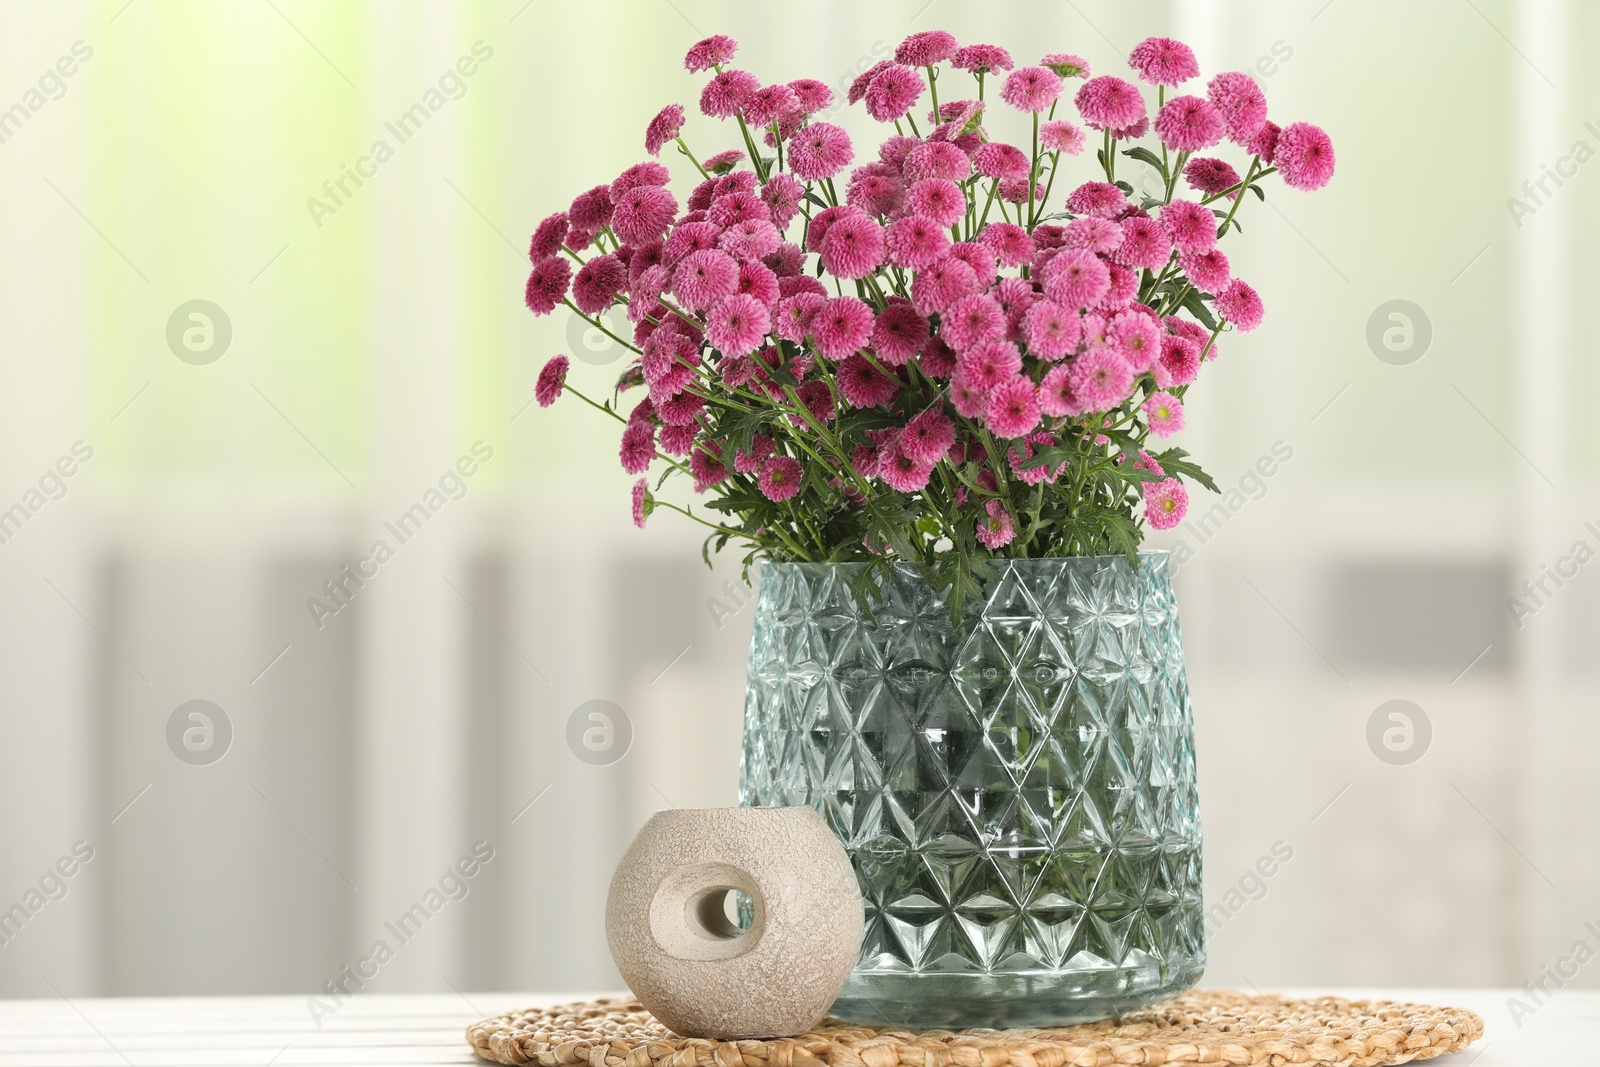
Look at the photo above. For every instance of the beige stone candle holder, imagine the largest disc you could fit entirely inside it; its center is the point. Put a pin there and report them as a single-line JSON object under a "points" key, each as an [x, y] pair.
{"points": [[690, 964]]}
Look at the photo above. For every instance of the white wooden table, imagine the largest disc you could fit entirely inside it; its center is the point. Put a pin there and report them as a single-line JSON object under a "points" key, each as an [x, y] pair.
{"points": [[401, 1030]]}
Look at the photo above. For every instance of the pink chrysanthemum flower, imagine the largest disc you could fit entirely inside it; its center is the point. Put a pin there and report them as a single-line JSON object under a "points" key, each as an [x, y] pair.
{"points": [[813, 96], [757, 280], [876, 194], [986, 365], [591, 210], [1137, 336], [981, 58], [782, 195], [689, 237], [983, 264], [1163, 61], [750, 239], [641, 496], [1145, 244], [968, 398], [927, 437], [663, 128], [926, 48], [1189, 123], [858, 88], [598, 281], [962, 116], [677, 440], [1241, 305], [643, 214], [1057, 398], [1031, 89], [1093, 235], [647, 173], [1066, 65], [791, 319], [997, 160], [1164, 412], [894, 150], [1165, 503], [787, 263], [1123, 288], [705, 463], [820, 151], [941, 284], [902, 473], [711, 52], [1195, 333], [705, 277], [780, 478], [547, 237], [853, 247], [638, 447], [817, 231], [1193, 228], [1076, 279], [1180, 362], [726, 93], [938, 199], [841, 326], [1100, 379], [936, 159], [1265, 142], [1059, 135], [722, 162], [1097, 332], [1013, 407], [971, 321], [862, 384], [915, 242], [893, 93], [1015, 295], [1211, 176], [899, 332], [736, 207], [1015, 190], [547, 285], [766, 104], [1209, 271], [1134, 132], [551, 381], [1052, 331], [1242, 103], [1108, 102], [1009, 242], [995, 529], [1304, 156], [737, 324], [1101, 200], [750, 462]]}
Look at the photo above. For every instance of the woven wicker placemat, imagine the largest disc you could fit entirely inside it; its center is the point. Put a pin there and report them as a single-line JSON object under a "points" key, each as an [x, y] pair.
{"points": [[1211, 1026]]}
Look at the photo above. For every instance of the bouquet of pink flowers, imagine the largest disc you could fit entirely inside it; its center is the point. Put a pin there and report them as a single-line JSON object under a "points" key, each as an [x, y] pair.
{"points": [[918, 356]]}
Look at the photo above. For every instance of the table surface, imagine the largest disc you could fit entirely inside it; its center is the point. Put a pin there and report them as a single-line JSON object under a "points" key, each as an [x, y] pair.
{"points": [[401, 1030]]}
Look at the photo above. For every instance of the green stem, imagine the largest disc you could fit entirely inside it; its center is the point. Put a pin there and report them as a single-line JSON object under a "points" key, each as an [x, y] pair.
{"points": [[685, 150]]}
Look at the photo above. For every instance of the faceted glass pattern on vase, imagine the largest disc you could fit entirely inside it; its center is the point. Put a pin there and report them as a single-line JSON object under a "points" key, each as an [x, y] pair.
{"points": [[1016, 791]]}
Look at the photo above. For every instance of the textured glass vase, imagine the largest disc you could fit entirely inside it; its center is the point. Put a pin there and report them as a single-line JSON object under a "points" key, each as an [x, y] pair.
{"points": [[1016, 791]]}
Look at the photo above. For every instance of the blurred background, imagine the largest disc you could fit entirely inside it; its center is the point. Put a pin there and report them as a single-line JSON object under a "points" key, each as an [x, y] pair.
{"points": [[240, 343]]}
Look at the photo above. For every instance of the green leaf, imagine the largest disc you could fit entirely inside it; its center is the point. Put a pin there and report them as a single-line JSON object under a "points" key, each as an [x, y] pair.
{"points": [[1144, 155], [1261, 194], [1195, 304]]}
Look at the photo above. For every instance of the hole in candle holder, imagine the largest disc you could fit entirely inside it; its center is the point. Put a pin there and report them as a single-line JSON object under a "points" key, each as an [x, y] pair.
{"points": [[720, 913]]}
